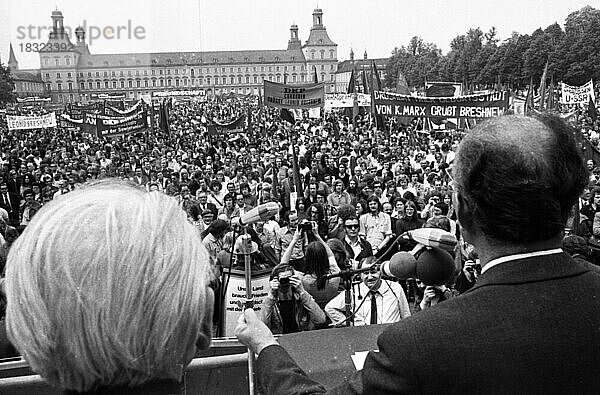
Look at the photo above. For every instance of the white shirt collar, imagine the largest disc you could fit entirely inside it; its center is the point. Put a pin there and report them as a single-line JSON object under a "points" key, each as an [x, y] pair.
{"points": [[515, 257]]}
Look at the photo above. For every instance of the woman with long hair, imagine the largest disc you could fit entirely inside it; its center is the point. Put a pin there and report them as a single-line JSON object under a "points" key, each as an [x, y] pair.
{"points": [[319, 261], [411, 219]]}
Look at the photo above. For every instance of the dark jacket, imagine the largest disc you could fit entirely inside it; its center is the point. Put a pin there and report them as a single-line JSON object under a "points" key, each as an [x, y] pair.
{"points": [[527, 326], [367, 250]]}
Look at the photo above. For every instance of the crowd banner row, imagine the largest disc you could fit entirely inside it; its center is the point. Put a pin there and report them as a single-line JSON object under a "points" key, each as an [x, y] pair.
{"points": [[484, 105], [17, 122], [346, 100], [577, 94], [107, 126], [294, 96]]}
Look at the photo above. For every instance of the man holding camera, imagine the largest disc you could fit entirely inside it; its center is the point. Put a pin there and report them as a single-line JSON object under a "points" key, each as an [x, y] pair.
{"points": [[288, 308]]}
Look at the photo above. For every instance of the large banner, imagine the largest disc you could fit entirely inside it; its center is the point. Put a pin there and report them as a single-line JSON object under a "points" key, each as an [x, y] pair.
{"points": [[577, 94], [346, 100], [473, 106], [115, 126], [236, 126], [16, 122], [116, 112], [294, 96], [188, 92]]}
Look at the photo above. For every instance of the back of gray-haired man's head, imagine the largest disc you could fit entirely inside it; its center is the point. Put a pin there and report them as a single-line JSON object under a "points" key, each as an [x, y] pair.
{"points": [[521, 176]]}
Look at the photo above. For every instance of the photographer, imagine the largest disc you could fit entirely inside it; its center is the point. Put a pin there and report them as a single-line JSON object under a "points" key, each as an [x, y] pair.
{"points": [[471, 270], [430, 295], [319, 261], [288, 308]]}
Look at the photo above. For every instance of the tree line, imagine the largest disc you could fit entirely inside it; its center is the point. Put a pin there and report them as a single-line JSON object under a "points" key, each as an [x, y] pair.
{"points": [[479, 60]]}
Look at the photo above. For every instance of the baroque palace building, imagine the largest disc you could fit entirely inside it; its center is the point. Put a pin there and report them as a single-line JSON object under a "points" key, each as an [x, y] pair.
{"points": [[71, 73]]}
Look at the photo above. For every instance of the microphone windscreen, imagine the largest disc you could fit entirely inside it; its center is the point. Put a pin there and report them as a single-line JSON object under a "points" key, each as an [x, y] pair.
{"points": [[435, 267], [402, 265], [434, 237]]}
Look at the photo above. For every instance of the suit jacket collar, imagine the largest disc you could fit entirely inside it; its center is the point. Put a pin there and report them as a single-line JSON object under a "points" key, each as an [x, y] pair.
{"points": [[528, 270]]}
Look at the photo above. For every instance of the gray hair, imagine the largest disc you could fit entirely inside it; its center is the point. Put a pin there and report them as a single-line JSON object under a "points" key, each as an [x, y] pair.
{"points": [[108, 286], [521, 175]]}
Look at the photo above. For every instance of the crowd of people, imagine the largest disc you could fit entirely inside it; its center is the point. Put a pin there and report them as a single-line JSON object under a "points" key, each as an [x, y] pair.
{"points": [[359, 186], [346, 190]]}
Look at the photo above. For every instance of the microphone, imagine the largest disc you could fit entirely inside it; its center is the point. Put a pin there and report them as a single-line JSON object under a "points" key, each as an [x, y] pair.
{"points": [[434, 237], [258, 213], [402, 265], [433, 266]]}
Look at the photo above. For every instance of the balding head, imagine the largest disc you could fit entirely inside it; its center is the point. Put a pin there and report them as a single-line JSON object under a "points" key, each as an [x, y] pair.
{"points": [[520, 177]]}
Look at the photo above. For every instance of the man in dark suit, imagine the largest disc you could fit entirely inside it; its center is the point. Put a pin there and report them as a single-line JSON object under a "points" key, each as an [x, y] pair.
{"points": [[531, 322]]}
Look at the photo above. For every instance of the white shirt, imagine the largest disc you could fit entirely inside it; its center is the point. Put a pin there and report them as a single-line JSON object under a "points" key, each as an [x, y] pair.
{"points": [[356, 248], [392, 305], [515, 257]]}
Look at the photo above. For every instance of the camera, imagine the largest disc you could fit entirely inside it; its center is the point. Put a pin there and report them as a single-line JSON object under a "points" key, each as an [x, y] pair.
{"points": [[284, 281], [305, 226]]}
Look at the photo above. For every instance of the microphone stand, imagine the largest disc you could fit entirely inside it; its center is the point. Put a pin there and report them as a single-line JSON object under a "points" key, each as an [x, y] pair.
{"points": [[249, 303], [346, 277]]}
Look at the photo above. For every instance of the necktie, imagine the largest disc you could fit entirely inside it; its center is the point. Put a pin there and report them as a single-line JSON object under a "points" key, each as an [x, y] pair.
{"points": [[373, 307], [7, 200]]}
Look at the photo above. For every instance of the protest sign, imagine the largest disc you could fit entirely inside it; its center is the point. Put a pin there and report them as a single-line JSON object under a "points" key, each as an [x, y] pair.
{"points": [[17, 122], [473, 106], [294, 96]]}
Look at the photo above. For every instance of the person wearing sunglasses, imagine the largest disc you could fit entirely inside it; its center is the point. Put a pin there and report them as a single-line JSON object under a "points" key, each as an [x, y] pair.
{"points": [[357, 248]]}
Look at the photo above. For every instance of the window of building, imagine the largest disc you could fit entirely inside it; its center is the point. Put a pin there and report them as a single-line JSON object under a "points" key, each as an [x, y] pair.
{"points": [[278, 78], [169, 82], [239, 80], [105, 85], [293, 77], [59, 86], [192, 72], [98, 84], [312, 54], [216, 80], [247, 79], [176, 82], [145, 83], [45, 61], [302, 77], [239, 69], [48, 75], [255, 80], [68, 75], [331, 54], [122, 84], [49, 87], [207, 80], [185, 82], [82, 86], [162, 82], [176, 71], [232, 80], [67, 61], [276, 68], [114, 84], [90, 85], [60, 98], [112, 73], [57, 75], [153, 83], [138, 83]]}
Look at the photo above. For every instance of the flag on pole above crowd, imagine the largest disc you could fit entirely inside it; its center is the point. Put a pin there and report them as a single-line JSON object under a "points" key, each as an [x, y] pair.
{"points": [[364, 83], [551, 100], [376, 83], [543, 86], [402, 85], [529, 98], [351, 83], [592, 110]]}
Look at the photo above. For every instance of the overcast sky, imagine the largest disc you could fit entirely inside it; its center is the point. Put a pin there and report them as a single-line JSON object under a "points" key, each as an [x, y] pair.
{"points": [[200, 25]]}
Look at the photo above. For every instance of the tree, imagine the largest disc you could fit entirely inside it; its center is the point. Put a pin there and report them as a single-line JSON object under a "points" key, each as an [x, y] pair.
{"points": [[7, 86], [418, 61]]}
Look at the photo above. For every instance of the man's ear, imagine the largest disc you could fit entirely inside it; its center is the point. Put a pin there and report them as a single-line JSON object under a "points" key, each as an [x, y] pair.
{"points": [[205, 335], [464, 210]]}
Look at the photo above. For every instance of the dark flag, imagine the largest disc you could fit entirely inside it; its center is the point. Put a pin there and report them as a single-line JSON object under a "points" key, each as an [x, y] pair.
{"points": [[592, 110], [529, 98], [260, 100], [551, 101], [286, 115], [377, 80], [543, 87], [364, 83], [164, 118], [351, 84], [375, 86], [285, 78], [316, 77]]}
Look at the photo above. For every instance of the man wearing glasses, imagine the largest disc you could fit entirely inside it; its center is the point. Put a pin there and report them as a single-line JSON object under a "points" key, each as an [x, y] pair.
{"points": [[376, 301], [357, 247]]}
